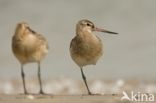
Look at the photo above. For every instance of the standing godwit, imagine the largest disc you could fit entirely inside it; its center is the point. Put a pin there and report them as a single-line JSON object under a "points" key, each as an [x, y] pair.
{"points": [[86, 48], [29, 46]]}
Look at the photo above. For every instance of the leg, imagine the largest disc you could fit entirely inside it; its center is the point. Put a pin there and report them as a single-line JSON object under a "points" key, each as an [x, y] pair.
{"points": [[39, 78], [23, 79], [84, 79]]}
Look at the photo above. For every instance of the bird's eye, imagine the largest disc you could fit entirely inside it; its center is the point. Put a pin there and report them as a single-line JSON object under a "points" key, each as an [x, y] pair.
{"points": [[88, 24]]}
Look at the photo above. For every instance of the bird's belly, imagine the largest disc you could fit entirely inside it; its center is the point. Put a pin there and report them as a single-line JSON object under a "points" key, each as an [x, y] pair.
{"points": [[82, 61], [87, 56], [27, 53], [28, 57]]}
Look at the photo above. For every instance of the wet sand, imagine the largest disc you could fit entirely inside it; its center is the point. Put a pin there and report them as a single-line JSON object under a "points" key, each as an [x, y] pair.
{"points": [[107, 98], [67, 90], [60, 99]]}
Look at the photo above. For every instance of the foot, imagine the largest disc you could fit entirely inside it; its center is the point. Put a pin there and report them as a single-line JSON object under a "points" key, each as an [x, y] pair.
{"points": [[25, 92], [41, 92], [89, 93]]}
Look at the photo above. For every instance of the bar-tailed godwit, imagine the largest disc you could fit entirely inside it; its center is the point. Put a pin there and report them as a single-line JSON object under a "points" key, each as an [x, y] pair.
{"points": [[86, 48], [29, 46]]}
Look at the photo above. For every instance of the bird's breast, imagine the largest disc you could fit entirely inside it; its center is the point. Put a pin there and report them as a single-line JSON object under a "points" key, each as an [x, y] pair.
{"points": [[87, 51]]}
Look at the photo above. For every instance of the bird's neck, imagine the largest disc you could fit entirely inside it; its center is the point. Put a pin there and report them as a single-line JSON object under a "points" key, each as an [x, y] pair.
{"points": [[83, 33]]}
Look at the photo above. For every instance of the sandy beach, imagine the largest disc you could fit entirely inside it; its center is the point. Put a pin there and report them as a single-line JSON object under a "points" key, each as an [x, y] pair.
{"points": [[107, 98], [67, 90], [60, 99]]}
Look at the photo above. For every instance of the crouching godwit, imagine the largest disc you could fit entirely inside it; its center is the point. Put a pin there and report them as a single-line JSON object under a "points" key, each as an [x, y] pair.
{"points": [[86, 48], [29, 46]]}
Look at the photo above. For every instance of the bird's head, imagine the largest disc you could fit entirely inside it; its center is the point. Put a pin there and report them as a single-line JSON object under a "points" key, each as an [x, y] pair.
{"points": [[88, 26], [21, 27]]}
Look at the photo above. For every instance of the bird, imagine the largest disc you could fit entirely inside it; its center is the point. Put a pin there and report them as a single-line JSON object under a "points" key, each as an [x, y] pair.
{"points": [[29, 46], [86, 48]]}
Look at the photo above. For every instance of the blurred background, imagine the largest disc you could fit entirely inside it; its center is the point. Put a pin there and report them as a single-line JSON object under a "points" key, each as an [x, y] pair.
{"points": [[129, 55]]}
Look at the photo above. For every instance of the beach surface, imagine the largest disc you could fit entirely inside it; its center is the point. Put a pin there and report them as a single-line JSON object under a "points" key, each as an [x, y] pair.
{"points": [[60, 99], [107, 98], [67, 90]]}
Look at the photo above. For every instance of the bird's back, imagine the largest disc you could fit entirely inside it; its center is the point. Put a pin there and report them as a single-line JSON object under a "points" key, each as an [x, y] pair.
{"points": [[29, 47]]}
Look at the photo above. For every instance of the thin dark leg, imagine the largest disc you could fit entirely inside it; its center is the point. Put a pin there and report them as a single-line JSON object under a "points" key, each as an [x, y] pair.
{"points": [[23, 79], [84, 79], [39, 78]]}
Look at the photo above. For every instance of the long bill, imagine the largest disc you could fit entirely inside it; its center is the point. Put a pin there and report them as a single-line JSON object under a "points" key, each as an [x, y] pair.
{"points": [[105, 31]]}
